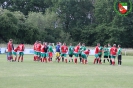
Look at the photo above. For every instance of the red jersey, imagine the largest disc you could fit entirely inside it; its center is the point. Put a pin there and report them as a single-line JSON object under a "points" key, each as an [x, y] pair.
{"points": [[87, 52], [97, 50], [64, 49], [34, 46], [10, 47], [38, 47], [42, 48], [21, 47], [76, 49], [16, 49], [113, 51]]}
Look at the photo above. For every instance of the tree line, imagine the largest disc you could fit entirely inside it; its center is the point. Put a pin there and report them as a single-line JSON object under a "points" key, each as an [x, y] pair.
{"points": [[70, 21]]}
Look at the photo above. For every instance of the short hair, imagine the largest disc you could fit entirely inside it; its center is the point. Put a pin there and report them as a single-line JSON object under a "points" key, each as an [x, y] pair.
{"points": [[98, 43], [119, 45], [10, 39], [39, 41], [114, 44], [83, 43]]}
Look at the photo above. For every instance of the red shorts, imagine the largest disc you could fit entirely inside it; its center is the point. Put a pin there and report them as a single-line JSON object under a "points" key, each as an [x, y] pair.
{"points": [[50, 54]]}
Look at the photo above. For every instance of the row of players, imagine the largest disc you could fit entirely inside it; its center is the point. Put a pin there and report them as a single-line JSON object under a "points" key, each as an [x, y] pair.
{"points": [[44, 52]]}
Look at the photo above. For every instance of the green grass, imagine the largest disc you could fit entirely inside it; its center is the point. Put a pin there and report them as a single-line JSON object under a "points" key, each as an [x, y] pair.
{"points": [[29, 74]]}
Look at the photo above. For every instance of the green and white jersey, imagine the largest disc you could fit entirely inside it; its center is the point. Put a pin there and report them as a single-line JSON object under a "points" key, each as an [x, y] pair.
{"points": [[71, 49], [50, 48], [119, 51], [109, 50], [105, 51], [82, 48]]}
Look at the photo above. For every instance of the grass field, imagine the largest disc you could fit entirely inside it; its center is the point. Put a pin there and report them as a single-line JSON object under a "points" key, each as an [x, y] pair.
{"points": [[30, 74]]}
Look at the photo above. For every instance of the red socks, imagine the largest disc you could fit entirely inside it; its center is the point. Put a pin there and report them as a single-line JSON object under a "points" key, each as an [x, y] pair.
{"points": [[34, 58], [85, 61], [75, 60], [58, 59], [99, 60], [94, 61], [44, 60], [49, 59], [66, 60], [113, 62]]}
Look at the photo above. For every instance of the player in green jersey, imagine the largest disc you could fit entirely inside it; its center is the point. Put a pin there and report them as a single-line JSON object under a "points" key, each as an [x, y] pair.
{"points": [[82, 48], [100, 54], [70, 52], [105, 50], [50, 49], [119, 53], [109, 56]]}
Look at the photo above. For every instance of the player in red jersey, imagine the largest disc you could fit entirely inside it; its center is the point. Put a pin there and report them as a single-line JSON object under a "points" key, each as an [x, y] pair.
{"points": [[96, 53], [38, 51], [76, 52], [34, 48], [42, 51], [15, 53], [10, 47], [113, 52], [21, 52], [84, 55], [64, 50]]}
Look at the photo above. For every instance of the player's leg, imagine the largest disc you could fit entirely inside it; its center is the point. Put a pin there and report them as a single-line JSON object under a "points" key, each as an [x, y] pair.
{"points": [[70, 57], [9, 56], [15, 55], [96, 58], [99, 60], [119, 59], [80, 58], [104, 59], [65, 56], [22, 58], [46, 57], [58, 57], [85, 59], [113, 60], [37, 56], [42, 56], [110, 59], [76, 56], [107, 58], [19, 56], [34, 56], [51, 56], [62, 56]]}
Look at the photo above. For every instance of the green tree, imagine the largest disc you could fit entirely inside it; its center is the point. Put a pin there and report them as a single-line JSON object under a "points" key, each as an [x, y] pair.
{"points": [[8, 25]]}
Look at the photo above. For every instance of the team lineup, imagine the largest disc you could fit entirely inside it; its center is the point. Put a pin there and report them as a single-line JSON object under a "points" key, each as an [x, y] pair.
{"points": [[43, 52]]}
